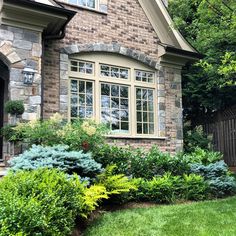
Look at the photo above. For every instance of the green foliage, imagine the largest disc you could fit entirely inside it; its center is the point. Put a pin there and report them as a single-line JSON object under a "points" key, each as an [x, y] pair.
{"points": [[113, 155], [217, 175], [195, 138], [210, 26], [79, 135], [141, 164], [41, 202], [9, 133], [57, 157], [15, 107], [169, 188], [115, 184], [202, 156], [153, 163]]}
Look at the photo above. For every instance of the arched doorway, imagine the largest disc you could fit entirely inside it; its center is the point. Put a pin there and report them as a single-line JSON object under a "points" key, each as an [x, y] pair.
{"points": [[4, 78]]}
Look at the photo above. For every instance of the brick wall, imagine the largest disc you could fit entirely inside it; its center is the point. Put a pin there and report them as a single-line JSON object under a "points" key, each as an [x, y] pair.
{"points": [[127, 25]]}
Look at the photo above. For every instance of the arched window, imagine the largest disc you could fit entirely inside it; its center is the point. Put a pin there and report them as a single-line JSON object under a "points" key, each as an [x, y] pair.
{"points": [[116, 90]]}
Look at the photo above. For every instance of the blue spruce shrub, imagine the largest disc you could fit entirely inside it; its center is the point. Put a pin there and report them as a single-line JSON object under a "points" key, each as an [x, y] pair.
{"points": [[57, 157], [217, 175]]}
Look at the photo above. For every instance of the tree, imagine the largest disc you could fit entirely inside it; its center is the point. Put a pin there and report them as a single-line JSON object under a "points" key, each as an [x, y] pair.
{"points": [[210, 26]]}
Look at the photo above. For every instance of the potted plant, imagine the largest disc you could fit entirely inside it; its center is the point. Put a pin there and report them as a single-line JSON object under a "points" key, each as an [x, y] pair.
{"points": [[15, 109]]}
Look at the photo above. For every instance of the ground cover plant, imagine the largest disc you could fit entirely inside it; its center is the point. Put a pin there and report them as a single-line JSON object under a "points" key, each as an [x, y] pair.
{"points": [[211, 218]]}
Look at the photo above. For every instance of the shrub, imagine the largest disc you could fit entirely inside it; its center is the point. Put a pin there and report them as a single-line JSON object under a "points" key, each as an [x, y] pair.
{"points": [[195, 138], [140, 164], [84, 135], [115, 184], [14, 107], [113, 155], [202, 156], [217, 175], [41, 202], [154, 163], [169, 189], [9, 133], [57, 157]]}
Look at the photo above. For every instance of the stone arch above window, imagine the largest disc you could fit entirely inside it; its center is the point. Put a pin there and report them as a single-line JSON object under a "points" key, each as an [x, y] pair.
{"points": [[112, 48], [8, 54]]}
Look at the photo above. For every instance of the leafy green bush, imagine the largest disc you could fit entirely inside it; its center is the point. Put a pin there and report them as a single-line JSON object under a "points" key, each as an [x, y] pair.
{"points": [[202, 156], [153, 163], [169, 189], [114, 183], [114, 155], [9, 133], [57, 157], [195, 138], [140, 164], [15, 107], [84, 135], [217, 175], [41, 202]]}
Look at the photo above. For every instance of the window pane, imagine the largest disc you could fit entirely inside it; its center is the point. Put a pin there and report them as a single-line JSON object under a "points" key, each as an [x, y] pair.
{"points": [[151, 129], [145, 128], [124, 74], [125, 126], [82, 112], [114, 72], [74, 111], [89, 87], [124, 115], [91, 3], [115, 90], [144, 76], [124, 91], [81, 86], [105, 89], [144, 111], [74, 86], [115, 102], [139, 128], [81, 98], [139, 117], [115, 110], [89, 100], [105, 101], [124, 103]]}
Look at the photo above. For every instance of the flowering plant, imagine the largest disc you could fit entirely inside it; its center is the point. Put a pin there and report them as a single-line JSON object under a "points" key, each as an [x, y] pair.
{"points": [[78, 135]]}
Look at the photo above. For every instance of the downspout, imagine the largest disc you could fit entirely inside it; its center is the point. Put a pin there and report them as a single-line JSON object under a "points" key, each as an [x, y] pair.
{"points": [[59, 36]]}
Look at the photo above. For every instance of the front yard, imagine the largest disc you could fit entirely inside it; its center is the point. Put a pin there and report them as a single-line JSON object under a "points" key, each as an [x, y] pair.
{"points": [[211, 218]]}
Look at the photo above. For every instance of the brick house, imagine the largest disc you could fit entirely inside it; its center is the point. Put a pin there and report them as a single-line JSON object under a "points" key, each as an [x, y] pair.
{"points": [[118, 62]]}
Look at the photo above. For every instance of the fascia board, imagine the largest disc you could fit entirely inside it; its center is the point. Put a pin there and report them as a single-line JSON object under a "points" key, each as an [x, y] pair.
{"points": [[163, 25]]}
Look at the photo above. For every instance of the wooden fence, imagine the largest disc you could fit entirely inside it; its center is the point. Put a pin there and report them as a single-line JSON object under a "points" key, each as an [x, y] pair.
{"points": [[223, 130]]}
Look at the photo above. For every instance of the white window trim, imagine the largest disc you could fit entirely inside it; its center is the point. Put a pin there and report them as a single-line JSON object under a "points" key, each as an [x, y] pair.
{"points": [[97, 4], [131, 82]]}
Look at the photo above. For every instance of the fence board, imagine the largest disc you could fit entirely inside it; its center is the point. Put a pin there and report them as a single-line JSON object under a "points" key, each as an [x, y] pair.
{"points": [[223, 130]]}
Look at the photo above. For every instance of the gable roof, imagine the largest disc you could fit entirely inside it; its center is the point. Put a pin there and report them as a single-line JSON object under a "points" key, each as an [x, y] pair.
{"points": [[163, 25]]}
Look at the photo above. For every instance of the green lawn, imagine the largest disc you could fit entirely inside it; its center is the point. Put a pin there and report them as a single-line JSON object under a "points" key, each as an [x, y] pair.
{"points": [[215, 218]]}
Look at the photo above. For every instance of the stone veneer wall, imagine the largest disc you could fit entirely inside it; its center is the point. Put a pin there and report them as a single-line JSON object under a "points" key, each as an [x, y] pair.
{"points": [[125, 26], [18, 48]]}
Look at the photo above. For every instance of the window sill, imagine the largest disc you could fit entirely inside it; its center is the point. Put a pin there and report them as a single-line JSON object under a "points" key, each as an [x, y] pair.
{"points": [[84, 8], [135, 137]]}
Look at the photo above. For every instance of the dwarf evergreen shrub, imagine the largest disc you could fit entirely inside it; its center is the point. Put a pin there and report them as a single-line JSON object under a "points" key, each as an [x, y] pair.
{"points": [[57, 157]]}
